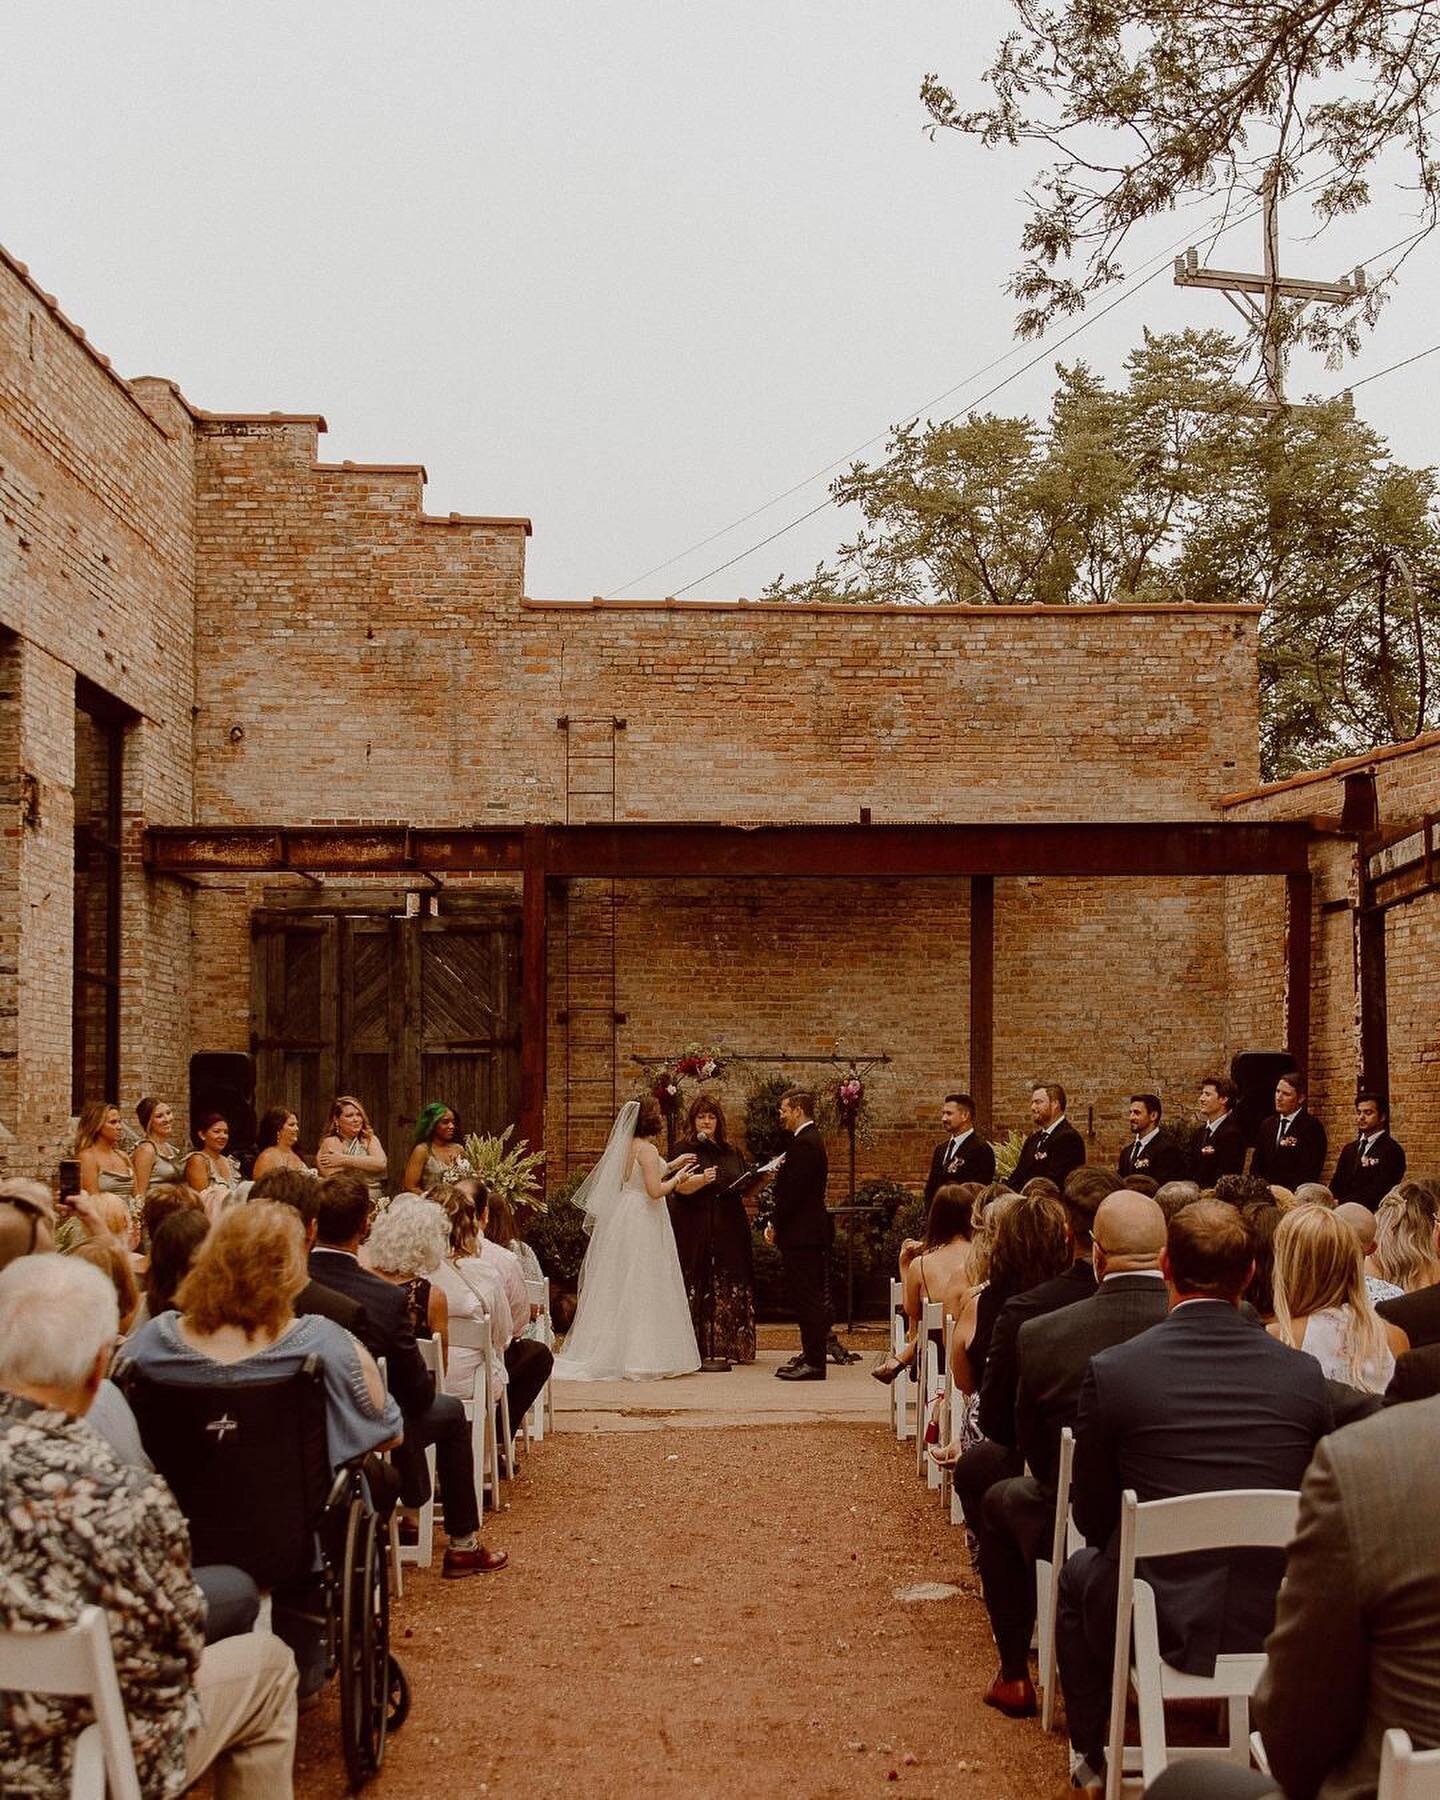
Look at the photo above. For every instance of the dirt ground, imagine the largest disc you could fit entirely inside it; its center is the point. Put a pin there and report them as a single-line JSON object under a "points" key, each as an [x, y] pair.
{"points": [[703, 1611]]}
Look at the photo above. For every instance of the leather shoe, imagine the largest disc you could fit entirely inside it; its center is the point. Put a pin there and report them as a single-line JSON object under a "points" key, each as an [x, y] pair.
{"points": [[407, 1533], [1016, 1699], [794, 1362], [478, 1561], [802, 1371], [890, 1370]]}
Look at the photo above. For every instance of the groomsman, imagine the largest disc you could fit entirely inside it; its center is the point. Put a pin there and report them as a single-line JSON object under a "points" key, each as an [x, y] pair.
{"points": [[1367, 1169], [964, 1156], [1152, 1150], [1290, 1144], [1220, 1148], [1055, 1147]]}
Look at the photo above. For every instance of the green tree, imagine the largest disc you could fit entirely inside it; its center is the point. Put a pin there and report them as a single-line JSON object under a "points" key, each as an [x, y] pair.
{"points": [[1176, 487], [1134, 107]]}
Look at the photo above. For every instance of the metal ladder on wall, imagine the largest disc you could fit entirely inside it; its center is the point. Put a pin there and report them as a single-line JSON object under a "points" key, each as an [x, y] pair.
{"points": [[588, 1012]]}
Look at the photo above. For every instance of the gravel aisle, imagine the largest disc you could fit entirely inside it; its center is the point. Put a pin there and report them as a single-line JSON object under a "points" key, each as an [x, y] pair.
{"points": [[703, 1612]]}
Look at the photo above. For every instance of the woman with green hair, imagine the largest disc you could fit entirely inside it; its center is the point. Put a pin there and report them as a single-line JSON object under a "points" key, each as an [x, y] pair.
{"points": [[437, 1156]]}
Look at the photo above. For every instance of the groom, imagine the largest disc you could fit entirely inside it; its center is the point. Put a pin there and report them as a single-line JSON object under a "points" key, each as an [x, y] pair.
{"points": [[801, 1227]]}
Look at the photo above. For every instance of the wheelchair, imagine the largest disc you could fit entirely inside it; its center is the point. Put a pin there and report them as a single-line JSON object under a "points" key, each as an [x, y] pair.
{"points": [[248, 1465]]}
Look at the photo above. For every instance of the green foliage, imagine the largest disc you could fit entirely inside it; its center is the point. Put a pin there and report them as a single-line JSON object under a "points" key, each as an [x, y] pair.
{"points": [[764, 1135], [1134, 108], [558, 1236], [1008, 1154], [511, 1170], [1175, 487]]}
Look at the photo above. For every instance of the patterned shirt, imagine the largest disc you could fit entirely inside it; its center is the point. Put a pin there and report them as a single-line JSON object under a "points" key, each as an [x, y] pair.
{"points": [[78, 1527]]}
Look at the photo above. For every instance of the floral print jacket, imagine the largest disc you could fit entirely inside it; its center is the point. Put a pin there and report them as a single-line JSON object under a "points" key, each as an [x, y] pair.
{"points": [[79, 1527]]}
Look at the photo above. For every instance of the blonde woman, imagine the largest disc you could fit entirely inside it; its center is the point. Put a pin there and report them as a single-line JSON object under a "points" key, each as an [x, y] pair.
{"points": [[104, 1166], [349, 1144], [1405, 1251], [1321, 1306]]}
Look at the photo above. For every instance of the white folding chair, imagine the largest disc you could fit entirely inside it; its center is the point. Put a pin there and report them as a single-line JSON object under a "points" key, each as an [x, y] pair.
{"points": [[929, 1363], [902, 1388], [423, 1550], [1064, 1541], [474, 1334], [541, 1416], [76, 1661], [1407, 1773], [1236, 1518]]}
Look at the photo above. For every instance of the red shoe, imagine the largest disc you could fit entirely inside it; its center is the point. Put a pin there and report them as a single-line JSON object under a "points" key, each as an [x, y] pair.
{"points": [[478, 1561], [1016, 1699]]}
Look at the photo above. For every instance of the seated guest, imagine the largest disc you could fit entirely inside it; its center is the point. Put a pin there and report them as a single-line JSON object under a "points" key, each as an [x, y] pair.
{"points": [[1321, 1306], [1053, 1352], [208, 1170], [1219, 1146], [1357, 1622], [1372, 1163], [1290, 1144], [1314, 1193], [237, 1323], [1417, 1375], [27, 1218], [78, 1528], [1262, 1220], [936, 1272], [113, 1262], [437, 1156], [407, 1243], [1361, 1221], [504, 1230], [1416, 1312], [472, 1291], [275, 1139], [1174, 1195], [302, 1195], [527, 1361], [162, 1199], [173, 1248], [1085, 1188], [1405, 1250], [349, 1146], [1238, 1190], [1153, 1151], [430, 1418], [1202, 1401]]}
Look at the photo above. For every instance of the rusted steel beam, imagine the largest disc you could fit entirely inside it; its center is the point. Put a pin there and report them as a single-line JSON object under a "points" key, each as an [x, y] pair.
{"points": [[734, 852], [1299, 900], [982, 997], [534, 1003]]}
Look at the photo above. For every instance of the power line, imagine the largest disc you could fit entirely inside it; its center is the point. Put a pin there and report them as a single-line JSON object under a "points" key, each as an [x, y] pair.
{"points": [[1417, 357], [1222, 224]]}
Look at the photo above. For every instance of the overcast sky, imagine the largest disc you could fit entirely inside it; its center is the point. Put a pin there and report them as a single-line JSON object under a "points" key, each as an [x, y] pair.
{"points": [[632, 269]]}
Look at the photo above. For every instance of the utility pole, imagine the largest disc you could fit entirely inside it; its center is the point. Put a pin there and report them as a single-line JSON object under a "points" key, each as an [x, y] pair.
{"points": [[1256, 297]]}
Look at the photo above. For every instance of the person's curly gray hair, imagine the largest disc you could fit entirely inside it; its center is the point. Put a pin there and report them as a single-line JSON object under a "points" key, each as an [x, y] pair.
{"points": [[410, 1236]]}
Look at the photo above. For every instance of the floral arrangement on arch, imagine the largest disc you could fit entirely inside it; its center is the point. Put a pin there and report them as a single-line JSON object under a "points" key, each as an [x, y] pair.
{"points": [[696, 1062], [849, 1098]]}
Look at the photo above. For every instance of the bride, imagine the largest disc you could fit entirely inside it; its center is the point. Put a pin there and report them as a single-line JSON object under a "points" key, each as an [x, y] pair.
{"points": [[633, 1319]]}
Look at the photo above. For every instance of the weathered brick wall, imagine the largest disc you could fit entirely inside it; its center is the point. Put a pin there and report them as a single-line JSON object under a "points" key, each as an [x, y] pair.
{"points": [[1407, 785], [96, 580]]}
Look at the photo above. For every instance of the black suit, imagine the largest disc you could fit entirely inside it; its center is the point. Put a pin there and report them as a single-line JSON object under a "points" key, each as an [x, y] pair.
{"points": [[998, 1385], [1300, 1157], [1218, 1152], [430, 1418], [803, 1234], [1204, 1400], [1053, 1153], [1368, 1178], [1162, 1159], [330, 1303], [1417, 1375], [1417, 1315], [974, 1160], [1018, 1513]]}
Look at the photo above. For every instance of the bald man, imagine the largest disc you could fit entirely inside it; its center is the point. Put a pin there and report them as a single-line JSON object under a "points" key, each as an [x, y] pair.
{"points": [[1361, 1221], [1054, 1353]]}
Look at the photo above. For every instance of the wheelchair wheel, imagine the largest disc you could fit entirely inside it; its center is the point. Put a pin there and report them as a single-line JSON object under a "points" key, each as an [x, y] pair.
{"points": [[365, 1682], [399, 1697]]}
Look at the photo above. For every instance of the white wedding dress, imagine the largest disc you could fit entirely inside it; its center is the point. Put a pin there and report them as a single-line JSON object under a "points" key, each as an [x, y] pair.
{"points": [[633, 1319]]}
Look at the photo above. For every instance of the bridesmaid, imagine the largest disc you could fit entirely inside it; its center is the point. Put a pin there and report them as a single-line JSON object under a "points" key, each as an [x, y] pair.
{"points": [[208, 1169], [276, 1136], [706, 1227], [155, 1158], [349, 1143], [104, 1166], [437, 1157]]}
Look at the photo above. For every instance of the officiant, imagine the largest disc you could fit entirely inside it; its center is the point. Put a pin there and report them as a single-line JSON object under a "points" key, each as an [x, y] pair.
{"points": [[712, 1235]]}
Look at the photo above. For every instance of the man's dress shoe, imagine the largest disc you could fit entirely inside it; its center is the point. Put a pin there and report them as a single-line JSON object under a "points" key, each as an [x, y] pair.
{"points": [[800, 1372], [1016, 1699]]}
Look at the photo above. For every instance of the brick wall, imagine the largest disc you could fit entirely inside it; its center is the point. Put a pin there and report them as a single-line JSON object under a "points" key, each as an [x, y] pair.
{"points": [[96, 525], [1407, 785]]}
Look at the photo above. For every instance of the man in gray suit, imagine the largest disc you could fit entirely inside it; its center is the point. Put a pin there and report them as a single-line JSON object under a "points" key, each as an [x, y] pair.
{"points": [[1353, 1651]]}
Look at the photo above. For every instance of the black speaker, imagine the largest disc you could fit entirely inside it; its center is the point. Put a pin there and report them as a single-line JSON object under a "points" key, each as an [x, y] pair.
{"points": [[1255, 1073], [223, 1081]]}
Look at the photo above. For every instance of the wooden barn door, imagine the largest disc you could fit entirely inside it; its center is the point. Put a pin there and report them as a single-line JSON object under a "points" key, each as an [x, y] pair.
{"points": [[394, 1010]]}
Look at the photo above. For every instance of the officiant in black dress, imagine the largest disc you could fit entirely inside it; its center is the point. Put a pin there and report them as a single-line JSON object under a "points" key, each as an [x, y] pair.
{"points": [[708, 1222]]}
